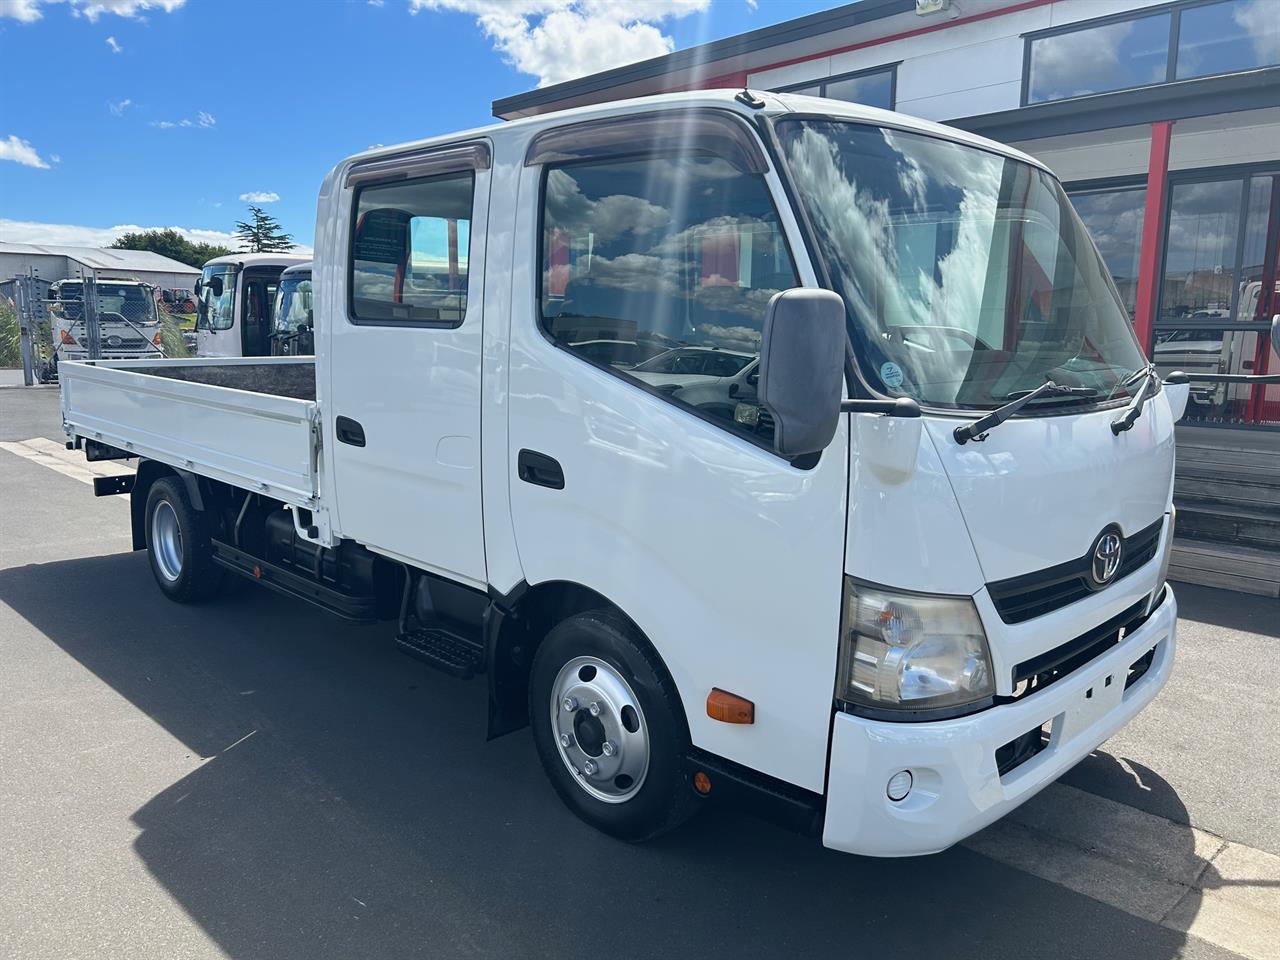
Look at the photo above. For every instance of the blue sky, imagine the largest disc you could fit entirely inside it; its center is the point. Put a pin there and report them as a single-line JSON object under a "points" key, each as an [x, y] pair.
{"points": [[167, 113]]}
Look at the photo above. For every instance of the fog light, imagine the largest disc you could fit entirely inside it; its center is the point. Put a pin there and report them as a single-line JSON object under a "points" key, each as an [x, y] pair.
{"points": [[899, 785]]}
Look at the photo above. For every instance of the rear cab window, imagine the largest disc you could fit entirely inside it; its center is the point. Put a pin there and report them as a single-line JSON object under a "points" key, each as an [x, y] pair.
{"points": [[410, 249]]}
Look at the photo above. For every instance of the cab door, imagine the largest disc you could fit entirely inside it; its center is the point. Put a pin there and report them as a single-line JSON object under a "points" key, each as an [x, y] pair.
{"points": [[258, 294], [404, 359]]}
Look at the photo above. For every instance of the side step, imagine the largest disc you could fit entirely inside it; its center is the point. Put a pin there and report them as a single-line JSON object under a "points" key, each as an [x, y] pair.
{"points": [[362, 609], [453, 653]]}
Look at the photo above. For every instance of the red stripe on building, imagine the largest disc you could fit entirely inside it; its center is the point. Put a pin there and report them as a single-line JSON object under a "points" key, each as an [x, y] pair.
{"points": [[1152, 230]]}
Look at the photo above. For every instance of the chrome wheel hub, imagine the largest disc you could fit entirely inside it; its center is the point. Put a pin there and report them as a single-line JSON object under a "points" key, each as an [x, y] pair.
{"points": [[166, 540], [599, 729]]}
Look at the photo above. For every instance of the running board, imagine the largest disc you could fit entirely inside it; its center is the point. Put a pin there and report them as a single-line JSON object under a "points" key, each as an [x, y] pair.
{"points": [[453, 653], [362, 609]]}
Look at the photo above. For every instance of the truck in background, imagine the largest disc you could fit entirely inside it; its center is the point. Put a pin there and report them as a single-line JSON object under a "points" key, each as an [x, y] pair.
{"points": [[293, 316], [234, 299], [128, 320]]}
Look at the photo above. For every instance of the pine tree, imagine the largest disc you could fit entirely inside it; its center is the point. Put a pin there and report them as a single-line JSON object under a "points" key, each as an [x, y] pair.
{"points": [[263, 234]]}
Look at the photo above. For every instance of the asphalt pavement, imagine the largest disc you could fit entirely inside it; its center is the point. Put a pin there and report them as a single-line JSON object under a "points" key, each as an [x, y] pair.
{"points": [[252, 778]]}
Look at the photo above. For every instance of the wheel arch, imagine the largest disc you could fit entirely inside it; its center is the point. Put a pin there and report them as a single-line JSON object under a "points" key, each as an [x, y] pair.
{"points": [[516, 622]]}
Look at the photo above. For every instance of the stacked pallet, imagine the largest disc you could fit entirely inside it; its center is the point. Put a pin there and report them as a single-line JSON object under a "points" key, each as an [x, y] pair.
{"points": [[1228, 499]]}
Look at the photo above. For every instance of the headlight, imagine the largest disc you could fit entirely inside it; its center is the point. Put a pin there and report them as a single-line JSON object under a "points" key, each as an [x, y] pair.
{"points": [[911, 652]]}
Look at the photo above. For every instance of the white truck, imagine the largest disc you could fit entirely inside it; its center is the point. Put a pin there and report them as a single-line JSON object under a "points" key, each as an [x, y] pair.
{"points": [[925, 578], [235, 296], [128, 320]]}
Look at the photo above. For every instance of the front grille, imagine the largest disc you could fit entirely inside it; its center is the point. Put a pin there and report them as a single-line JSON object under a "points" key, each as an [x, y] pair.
{"points": [[1033, 595], [1051, 666]]}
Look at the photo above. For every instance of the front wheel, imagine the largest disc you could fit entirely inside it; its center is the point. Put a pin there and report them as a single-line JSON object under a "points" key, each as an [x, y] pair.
{"points": [[609, 727]]}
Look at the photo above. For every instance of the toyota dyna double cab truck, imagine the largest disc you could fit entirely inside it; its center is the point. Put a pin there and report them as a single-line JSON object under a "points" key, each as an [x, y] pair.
{"points": [[234, 299], [884, 590]]}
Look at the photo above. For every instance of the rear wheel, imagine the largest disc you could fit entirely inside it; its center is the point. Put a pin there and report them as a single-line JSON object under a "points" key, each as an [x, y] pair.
{"points": [[178, 544], [609, 727]]}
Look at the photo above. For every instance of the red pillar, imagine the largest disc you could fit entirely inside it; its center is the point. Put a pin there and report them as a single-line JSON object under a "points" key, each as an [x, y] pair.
{"points": [[1152, 233]]}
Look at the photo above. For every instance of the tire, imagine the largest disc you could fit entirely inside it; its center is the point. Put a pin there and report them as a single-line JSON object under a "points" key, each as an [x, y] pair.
{"points": [[178, 544], [638, 791]]}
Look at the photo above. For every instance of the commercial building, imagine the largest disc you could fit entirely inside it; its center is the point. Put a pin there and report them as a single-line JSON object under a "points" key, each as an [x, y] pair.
{"points": [[1163, 121], [51, 263]]}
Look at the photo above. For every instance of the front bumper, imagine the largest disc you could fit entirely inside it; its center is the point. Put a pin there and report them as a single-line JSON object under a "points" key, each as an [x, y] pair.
{"points": [[957, 788]]}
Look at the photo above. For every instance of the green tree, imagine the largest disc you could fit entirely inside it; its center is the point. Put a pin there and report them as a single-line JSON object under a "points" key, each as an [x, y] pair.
{"points": [[170, 243], [263, 234]]}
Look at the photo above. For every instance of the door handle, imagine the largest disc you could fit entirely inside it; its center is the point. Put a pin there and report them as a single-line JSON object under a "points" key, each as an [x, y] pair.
{"points": [[349, 431], [540, 470]]}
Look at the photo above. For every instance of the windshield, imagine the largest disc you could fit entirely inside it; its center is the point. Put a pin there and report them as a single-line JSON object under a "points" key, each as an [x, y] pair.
{"points": [[968, 276], [216, 312], [132, 302], [293, 305]]}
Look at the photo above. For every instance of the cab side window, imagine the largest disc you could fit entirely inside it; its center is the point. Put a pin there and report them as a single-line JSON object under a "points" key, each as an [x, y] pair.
{"points": [[661, 268], [409, 251]]}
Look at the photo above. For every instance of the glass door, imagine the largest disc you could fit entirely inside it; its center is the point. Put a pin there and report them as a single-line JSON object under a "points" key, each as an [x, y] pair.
{"points": [[1218, 293]]}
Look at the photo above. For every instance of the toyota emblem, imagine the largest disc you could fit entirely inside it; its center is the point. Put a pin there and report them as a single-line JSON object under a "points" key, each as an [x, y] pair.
{"points": [[114, 341], [1105, 560]]}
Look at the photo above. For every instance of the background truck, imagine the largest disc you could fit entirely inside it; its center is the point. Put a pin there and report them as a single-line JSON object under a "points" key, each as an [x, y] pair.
{"points": [[234, 299], [128, 321], [905, 573]]}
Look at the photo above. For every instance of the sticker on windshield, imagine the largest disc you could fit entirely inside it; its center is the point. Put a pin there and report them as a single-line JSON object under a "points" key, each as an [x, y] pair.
{"points": [[891, 374]]}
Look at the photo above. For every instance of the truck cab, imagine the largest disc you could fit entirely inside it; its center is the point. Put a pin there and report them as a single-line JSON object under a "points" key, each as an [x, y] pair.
{"points": [[234, 299], [128, 320], [293, 316]]}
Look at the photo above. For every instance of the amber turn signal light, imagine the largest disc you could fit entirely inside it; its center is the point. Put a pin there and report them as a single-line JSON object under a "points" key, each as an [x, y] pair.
{"points": [[729, 708]]}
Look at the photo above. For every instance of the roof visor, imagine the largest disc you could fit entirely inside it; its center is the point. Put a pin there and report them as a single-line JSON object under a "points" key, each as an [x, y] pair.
{"points": [[709, 132]]}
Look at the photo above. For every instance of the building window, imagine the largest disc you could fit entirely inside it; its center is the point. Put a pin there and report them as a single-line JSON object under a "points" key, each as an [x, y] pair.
{"points": [[874, 88], [660, 269], [1113, 217], [1220, 256], [1144, 48], [1222, 37], [409, 251]]}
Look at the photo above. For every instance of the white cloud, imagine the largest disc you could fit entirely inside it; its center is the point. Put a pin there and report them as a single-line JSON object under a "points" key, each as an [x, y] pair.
{"points": [[753, 4], [114, 45], [54, 158], [260, 196], [20, 151], [24, 11], [30, 231], [376, 3], [203, 120], [556, 40], [28, 11], [119, 107]]}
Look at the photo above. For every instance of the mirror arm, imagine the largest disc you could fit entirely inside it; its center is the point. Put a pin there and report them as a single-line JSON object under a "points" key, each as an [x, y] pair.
{"points": [[902, 407]]}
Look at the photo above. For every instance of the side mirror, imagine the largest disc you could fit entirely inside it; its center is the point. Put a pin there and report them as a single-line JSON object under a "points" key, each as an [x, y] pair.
{"points": [[215, 285], [802, 367], [199, 284]]}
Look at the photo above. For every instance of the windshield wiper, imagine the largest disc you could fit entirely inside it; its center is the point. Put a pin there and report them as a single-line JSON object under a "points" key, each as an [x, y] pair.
{"points": [[1132, 412], [1132, 378], [977, 430]]}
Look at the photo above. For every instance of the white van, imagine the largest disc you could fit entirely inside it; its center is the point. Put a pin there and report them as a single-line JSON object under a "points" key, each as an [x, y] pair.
{"points": [[924, 579], [234, 299]]}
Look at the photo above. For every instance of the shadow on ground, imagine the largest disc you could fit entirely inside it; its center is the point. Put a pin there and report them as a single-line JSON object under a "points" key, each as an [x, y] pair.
{"points": [[350, 806], [1244, 612]]}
